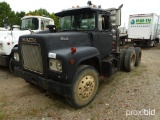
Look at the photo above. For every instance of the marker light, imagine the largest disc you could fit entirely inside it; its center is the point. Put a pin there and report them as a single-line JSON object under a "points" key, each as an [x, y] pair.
{"points": [[8, 43], [73, 50], [71, 61]]}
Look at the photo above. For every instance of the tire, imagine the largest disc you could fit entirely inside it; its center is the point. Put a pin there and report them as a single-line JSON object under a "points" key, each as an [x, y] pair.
{"points": [[138, 55], [122, 56], [130, 59], [123, 42], [154, 43], [84, 87], [11, 66], [148, 43], [131, 47]]}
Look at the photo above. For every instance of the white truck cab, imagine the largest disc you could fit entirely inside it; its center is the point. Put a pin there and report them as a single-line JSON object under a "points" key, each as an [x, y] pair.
{"points": [[9, 38]]}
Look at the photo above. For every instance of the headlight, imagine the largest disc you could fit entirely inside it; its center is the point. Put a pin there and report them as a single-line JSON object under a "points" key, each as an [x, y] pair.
{"points": [[16, 56], [55, 65], [59, 65]]}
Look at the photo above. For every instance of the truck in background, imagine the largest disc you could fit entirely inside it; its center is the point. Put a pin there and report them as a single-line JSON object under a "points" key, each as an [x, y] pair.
{"points": [[9, 38], [123, 36], [144, 29], [8, 28]]}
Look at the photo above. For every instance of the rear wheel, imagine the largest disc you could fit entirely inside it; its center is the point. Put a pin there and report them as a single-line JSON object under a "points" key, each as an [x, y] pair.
{"points": [[138, 55], [148, 43], [122, 56], [130, 59], [154, 43], [84, 86]]}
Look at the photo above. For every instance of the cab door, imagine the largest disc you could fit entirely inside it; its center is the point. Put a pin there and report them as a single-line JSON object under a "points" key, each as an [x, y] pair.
{"points": [[104, 41]]}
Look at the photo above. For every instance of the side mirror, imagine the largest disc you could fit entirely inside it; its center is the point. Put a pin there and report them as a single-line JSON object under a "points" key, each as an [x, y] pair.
{"points": [[115, 15], [52, 28]]}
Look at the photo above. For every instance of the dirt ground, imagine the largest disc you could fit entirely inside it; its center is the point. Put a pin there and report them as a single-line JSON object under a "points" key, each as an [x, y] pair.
{"points": [[124, 96]]}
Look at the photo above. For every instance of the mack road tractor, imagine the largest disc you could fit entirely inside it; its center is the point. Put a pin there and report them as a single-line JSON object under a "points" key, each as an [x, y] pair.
{"points": [[69, 61]]}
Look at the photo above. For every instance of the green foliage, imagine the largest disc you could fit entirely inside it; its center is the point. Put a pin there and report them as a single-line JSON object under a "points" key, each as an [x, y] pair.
{"points": [[19, 15], [5, 12], [56, 19], [11, 18]]}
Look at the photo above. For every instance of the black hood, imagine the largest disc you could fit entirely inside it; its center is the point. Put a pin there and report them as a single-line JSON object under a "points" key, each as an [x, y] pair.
{"points": [[54, 41]]}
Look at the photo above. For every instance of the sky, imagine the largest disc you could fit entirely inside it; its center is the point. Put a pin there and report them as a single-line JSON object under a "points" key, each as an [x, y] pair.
{"points": [[129, 6]]}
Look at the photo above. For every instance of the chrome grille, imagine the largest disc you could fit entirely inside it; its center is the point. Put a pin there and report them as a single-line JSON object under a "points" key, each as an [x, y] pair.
{"points": [[32, 59]]}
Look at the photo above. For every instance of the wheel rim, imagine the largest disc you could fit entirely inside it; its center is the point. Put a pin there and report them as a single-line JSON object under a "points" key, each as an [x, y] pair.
{"points": [[86, 87]]}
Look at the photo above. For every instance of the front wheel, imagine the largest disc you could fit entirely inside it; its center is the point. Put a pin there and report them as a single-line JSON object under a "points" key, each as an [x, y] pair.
{"points": [[84, 86]]}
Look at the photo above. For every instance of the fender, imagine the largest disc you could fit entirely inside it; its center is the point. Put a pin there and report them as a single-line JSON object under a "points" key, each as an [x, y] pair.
{"points": [[15, 49], [15, 63], [71, 61]]}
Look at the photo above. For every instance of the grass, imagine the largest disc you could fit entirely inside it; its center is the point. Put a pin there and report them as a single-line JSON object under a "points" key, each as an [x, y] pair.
{"points": [[91, 106], [4, 116], [93, 118], [35, 111], [32, 112], [139, 70], [3, 102], [111, 93], [159, 74], [101, 101]]}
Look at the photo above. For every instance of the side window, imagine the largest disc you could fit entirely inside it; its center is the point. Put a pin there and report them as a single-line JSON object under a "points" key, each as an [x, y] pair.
{"points": [[42, 25], [103, 23], [100, 22]]}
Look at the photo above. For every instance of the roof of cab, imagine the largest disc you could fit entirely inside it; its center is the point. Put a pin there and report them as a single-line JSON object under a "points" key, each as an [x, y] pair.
{"points": [[78, 9], [34, 16]]}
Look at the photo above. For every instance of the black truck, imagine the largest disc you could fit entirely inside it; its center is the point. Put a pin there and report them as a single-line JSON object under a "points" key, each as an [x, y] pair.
{"points": [[70, 61]]}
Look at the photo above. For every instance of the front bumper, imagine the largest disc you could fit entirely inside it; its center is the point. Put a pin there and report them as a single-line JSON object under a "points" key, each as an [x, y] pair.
{"points": [[4, 60], [47, 84]]}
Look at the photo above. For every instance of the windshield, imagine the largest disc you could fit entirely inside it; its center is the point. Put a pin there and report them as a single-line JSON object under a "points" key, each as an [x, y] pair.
{"points": [[30, 23], [83, 21]]}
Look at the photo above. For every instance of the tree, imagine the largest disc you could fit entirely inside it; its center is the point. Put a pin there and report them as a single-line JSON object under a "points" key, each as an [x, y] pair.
{"points": [[5, 12], [19, 15], [9, 17], [40, 12], [44, 12], [56, 19]]}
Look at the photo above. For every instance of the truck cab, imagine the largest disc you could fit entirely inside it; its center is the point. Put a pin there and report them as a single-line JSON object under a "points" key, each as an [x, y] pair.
{"points": [[9, 38], [70, 61], [92, 21]]}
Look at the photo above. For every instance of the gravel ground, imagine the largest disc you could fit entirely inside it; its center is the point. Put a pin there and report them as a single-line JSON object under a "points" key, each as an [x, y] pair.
{"points": [[124, 96]]}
